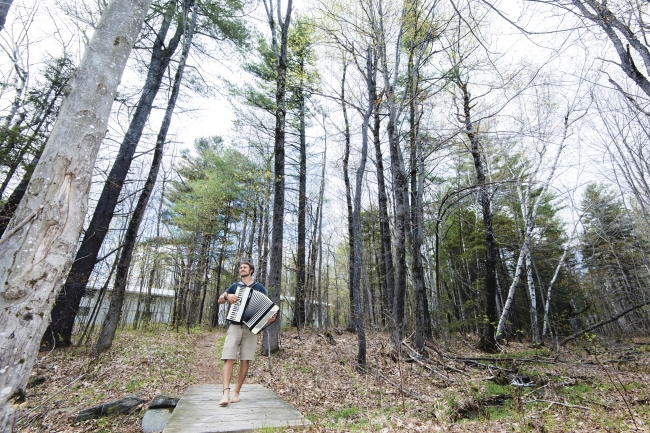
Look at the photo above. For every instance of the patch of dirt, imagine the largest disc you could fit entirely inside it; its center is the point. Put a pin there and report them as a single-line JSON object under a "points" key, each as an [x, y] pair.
{"points": [[206, 368]]}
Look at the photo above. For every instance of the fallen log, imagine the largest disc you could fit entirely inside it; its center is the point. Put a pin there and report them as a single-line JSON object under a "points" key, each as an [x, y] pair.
{"points": [[122, 405]]}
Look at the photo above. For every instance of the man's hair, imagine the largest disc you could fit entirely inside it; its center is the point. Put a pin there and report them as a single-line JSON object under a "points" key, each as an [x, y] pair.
{"points": [[249, 263]]}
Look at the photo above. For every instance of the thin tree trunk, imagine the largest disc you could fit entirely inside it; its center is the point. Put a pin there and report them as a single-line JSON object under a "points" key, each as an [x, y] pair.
{"points": [[299, 306], [222, 253], [387, 271], [398, 178], [422, 321], [356, 222], [121, 276], [251, 238], [348, 199], [51, 216], [16, 196], [205, 270], [264, 242], [546, 327], [488, 341]]}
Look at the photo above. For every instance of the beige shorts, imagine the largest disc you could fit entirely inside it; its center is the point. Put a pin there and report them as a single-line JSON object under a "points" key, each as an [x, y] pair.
{"points": [[239, 337]]}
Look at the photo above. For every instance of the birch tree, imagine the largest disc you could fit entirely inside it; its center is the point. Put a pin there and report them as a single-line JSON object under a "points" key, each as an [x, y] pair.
{"points": [[37, 248]]}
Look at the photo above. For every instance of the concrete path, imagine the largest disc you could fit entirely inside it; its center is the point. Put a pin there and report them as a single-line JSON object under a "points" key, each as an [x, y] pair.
{"points": [[260, 408]]}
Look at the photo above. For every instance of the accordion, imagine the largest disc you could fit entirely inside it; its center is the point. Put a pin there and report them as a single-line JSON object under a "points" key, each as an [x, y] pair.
{"points": [[253, 309]]}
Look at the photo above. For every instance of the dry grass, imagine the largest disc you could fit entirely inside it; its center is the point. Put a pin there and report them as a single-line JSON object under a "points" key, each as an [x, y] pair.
{"points": [[600, 390]]}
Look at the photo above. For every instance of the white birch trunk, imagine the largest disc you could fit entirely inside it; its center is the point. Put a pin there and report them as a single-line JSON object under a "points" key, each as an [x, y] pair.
{"points": [[511, 293], [532, 294], [39, 244], [547, 307]]}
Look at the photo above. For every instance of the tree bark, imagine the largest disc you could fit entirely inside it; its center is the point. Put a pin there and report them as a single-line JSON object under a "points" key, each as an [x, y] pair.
{"points": [[121, 277], [38, 250], [422, 319], [348, 198], [398, 178], [356, 222], [67, 303], [4, 11], [271, 337], [387, 272], [222, 253], [488, 341], [300, 307]]}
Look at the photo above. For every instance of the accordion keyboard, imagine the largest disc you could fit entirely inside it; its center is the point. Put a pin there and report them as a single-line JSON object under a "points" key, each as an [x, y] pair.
{"points": [[237, 309]]}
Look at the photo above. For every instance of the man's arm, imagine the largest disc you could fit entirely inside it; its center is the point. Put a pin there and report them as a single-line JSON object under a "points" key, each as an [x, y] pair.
{"points": [[229, 295]]}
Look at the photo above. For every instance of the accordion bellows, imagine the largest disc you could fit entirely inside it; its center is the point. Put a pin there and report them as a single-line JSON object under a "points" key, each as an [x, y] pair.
{"points": [[253, 309]]}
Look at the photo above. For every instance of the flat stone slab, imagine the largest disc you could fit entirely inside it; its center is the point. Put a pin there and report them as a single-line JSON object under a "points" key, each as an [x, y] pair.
{"points": [[155, 420], [198, 411]]}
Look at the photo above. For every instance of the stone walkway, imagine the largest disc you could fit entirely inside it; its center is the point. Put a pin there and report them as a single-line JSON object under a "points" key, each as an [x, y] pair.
{"points": [[260, 408]]}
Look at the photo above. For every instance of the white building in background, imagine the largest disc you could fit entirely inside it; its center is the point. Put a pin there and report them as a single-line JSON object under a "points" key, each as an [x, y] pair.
{"points": [[162, 304]]}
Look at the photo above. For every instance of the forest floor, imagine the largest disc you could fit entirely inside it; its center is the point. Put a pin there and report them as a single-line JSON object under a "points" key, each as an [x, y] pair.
{"points": [[585, 388]]}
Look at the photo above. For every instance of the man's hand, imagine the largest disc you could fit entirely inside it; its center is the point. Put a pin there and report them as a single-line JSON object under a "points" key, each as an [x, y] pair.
{"points": [[232, 298], [271, 319]]}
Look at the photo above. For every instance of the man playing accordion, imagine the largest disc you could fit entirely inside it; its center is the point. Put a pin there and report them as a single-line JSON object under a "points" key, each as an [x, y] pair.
{"points": [[239, 337]]}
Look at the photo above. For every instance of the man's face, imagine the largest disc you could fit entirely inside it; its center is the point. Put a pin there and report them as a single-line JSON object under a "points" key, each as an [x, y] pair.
{"points": [[244, 270]]}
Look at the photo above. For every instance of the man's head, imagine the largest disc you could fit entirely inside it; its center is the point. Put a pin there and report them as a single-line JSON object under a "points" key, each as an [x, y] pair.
{"points": [[246, 268]]}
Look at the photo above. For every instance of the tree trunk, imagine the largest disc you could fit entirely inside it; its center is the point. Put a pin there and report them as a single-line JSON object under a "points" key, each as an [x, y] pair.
{"points": [[356, 222], [422, 320], [398, 179], [301, 290], [112, 319], [529, 215], [488, 342], [51, 215], [4, 11], [222, 253], [204, 271], [251, 237], [271, 337], [387, 272], [63, 314], [348, 199]]}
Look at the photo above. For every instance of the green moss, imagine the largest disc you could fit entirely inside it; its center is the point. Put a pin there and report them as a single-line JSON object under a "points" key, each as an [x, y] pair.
{"points": [[493, 413], [494, 389]]}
